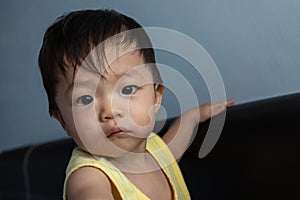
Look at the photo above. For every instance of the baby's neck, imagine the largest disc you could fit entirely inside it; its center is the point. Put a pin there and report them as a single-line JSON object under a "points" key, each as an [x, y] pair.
{"points": [[135, 163]]}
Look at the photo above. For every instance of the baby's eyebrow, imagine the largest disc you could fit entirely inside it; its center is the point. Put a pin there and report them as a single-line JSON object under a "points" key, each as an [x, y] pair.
{"points": [[78, 84], [91, 84], [132, 74]]}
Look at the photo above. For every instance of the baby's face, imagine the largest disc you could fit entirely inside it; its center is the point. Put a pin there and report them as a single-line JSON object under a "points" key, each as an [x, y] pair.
{"points": [[111, 114]]}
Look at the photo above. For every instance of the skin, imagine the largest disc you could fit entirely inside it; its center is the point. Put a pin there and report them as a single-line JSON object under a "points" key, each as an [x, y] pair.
{"points": [[180, 133], [112, 116]]}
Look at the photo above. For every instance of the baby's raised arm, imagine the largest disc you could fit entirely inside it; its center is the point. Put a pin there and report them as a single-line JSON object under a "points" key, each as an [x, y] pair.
{"points": [[183, 127]]}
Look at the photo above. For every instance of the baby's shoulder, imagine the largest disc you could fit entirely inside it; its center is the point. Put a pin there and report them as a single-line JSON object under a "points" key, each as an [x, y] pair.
{"points": [[88, 182]]}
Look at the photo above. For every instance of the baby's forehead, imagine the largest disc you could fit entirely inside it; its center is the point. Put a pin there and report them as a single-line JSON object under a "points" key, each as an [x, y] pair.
{"points": [[131, 64], [112, 61], [109, 52]]}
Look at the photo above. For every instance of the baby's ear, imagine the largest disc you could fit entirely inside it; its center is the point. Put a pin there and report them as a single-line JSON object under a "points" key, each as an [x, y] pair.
{"points": [[57, 115], [159, 93]]}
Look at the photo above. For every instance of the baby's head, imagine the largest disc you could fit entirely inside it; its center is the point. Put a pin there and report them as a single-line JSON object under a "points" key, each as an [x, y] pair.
{"points": [[98, 69]]}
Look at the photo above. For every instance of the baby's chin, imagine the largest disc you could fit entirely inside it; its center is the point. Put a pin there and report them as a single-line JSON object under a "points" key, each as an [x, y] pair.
{"points": [[110, 152], [117, 145]]}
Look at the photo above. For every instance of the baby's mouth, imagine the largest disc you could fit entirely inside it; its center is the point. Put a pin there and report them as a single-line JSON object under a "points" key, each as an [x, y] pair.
{"points": [[116, 131]]}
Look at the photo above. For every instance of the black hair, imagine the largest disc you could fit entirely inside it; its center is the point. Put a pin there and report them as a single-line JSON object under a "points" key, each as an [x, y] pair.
{"points": [[70, 39]]}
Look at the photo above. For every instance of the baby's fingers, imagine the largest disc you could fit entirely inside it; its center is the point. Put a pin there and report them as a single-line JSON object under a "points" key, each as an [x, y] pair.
{"points": [[217, 108], [229, 102]]}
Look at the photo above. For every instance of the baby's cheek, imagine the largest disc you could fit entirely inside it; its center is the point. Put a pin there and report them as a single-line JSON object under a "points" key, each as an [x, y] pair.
{"points": [[84, 126], [88, 135], [141, 115], [89, 127]]}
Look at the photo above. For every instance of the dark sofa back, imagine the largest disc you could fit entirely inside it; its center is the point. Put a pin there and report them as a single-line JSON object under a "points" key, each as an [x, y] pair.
{"points": [[256, 157], [35, 172]]}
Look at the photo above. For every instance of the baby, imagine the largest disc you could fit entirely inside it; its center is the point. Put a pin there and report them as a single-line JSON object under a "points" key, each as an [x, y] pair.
{"points": [[99, 72]]}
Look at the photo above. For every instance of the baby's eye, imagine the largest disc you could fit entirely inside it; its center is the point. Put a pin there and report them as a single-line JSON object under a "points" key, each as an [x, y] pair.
{"points": [[129, 89], [84, 100]]}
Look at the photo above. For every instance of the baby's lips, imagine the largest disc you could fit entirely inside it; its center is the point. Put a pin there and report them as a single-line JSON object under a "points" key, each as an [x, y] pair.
{"points": [[114, 130]]}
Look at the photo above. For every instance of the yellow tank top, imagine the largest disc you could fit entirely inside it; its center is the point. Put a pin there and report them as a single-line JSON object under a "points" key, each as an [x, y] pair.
{"points": [[126, 189]]}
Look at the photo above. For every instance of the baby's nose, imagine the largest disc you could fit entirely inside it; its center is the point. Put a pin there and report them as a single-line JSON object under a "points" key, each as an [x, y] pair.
{"points": [[110, 109]]}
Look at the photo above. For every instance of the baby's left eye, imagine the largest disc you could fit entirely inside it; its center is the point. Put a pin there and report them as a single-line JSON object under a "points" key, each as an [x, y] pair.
{"points": [[129, 89]]}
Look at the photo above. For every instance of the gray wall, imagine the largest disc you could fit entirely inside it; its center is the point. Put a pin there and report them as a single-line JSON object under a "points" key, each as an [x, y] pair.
{"points": [[255, 44]]}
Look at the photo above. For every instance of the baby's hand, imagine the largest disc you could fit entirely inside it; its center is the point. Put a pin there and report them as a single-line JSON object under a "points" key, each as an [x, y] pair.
{"points": [[207, 111]]}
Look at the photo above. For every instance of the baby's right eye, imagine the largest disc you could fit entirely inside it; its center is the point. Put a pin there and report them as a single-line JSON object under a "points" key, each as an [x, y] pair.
{"points": [[84, 100]]}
